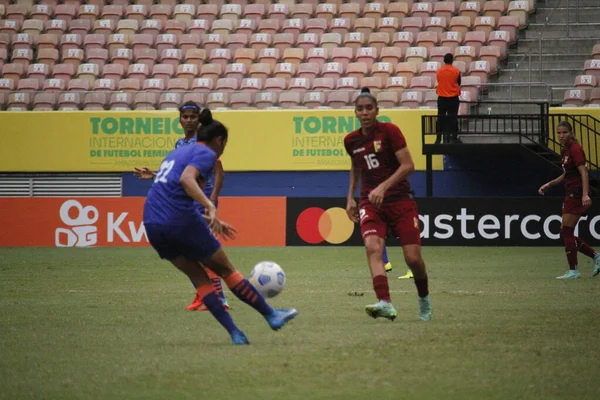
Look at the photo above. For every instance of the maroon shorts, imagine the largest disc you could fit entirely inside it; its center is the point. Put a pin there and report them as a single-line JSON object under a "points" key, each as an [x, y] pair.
{"points": [[401, 216], [573, 205]]}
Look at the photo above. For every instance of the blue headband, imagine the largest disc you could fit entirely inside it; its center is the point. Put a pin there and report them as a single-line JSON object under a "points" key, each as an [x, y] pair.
{"points": [[189, 108]]}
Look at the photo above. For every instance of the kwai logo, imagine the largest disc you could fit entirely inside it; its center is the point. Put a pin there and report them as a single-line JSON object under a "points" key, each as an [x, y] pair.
{"points": [[82, 231]]}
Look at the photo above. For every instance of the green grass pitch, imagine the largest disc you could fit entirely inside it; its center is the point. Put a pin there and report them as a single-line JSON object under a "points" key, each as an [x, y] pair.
{"points": [[110, 324]]}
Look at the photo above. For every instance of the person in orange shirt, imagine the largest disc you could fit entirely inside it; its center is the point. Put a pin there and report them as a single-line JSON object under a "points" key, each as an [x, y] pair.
{"points": [[448, 91]]}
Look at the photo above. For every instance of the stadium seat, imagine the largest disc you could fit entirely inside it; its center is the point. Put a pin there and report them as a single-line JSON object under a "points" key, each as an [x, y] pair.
{"points": [[575, 97], [309, 70], [105, 85], [38, 71], [397, 83], [251, 85], [520, 10], [411, 99], [595, 96], [582, 81], [203, 84], [388, 99], [403, 40], [592, 67]]}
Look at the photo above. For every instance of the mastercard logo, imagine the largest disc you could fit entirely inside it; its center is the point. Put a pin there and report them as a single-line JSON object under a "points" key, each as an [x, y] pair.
{"points": [[315, 225]]}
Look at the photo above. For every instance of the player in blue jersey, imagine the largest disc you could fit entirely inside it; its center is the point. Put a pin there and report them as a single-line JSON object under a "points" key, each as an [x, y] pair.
{"points": [[185, 237], [189, 118]]}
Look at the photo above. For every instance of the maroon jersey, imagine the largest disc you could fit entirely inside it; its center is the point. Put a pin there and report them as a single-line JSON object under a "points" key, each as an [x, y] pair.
{"points": [[375, 157], [572, 156]]}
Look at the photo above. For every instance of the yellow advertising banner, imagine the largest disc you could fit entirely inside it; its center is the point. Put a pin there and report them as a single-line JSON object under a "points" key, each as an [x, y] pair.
{"points": [[278, 140]]}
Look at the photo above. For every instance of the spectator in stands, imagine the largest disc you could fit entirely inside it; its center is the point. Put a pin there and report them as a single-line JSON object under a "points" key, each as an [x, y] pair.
{"points": [[448, 91]]}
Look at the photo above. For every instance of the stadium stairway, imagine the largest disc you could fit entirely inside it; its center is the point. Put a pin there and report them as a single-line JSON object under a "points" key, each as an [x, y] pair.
{"points": [[564, 51]]}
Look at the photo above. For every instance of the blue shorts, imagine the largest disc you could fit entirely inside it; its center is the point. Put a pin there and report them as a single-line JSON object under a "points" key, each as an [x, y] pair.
{"points": [[193, 241]]}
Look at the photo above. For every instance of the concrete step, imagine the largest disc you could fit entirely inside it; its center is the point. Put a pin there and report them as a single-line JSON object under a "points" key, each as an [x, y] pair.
{"points": [[564, 76], [558, 45], [556, 30], [489, 139], [519, 92], [535, 63], [519, 57], [560, 14]]}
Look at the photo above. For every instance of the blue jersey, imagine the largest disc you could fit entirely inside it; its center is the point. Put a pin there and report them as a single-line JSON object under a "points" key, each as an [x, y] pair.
{"points": [[167, 201], [208, 184]]}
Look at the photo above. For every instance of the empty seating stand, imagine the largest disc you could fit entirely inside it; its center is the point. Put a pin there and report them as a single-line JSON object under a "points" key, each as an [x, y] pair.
{"points": [[240, 54]]}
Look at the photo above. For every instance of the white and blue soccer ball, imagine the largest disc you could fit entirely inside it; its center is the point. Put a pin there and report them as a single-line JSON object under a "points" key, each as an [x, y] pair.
{"points": [[268, 278]]}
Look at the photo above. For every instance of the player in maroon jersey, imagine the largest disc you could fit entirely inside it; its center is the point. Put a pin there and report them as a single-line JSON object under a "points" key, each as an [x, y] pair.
{"points": [[577, 199], [382, 162]]}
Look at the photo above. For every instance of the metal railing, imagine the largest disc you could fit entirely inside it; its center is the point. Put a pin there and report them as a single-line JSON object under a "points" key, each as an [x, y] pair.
{"points": [[526, 128]]}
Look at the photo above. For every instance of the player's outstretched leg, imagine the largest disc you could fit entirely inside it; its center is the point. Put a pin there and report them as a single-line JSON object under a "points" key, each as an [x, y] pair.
{"points": [[216, 282], [587, 250], [568, 235], [383, 308], [246, 292], [414, 260], [386, 261], [196, 303], [206, 293]]}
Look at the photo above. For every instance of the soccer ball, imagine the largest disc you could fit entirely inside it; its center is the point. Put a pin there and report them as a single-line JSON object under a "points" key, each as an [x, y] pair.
{"points": [[268, 278]]}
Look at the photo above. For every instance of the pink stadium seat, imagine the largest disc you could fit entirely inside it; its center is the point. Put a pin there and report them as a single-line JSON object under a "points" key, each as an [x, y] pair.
{"points": [[388, 25], [275, 84], [155, 85], [290, 100], [422, 82], [241, 100], [261, 70], [254, 11], [491, 54], [38, 71], [270, 27], [169, 41], [260, 41], [41, 12], [13, 72], [211, 71], [89, 11], [236, 70], [80, 26], [284, 70], [460, 24], [265, 99], [437, 53], [581, 81], [122, 56], [66, 12], [112, 12], [220, 56], [94, 41], [121, 100], [19, 101], [575, 97], [56, 85], [207, 12], [427, 39], [412, 24], [176, 27], [592, 67], [278, 11], [364, 26], [188, 42], [429, 69], [117, 41], [305, 41], [481, 69], [316, 25], [397, 83], [340, 26], [231, 11], [520, 10], [470, 9], [161, 12], [374, 83], [595, 96], [172, 57], [416, 55], [327, 84], [333, 70], [412, 99], [596, 52], [222, 27], [309, 70], [374, 10], [293, 56], [421, 10], [184, 12], [444, 9], [138, 12], [476, 40], [217, 99], [245, 56], [195, 56], [251, 85], [398, 10], [227, 85], [358, 70], [29, 85], [510, 25], [140, 72], [169, 101], [113, 72], [342, 55], [314, 99], [465, 53], [494, 9], [67, 99], [188, 72], [300, 85], [22, 41], [303, 11], [16, 12], [78, 85], [388, 99], [105, 85], [347, 83], [105, 27], [56, 26], [327, 11], [317, 55], [178, 85], [23, 57], [71, 41], [403, 40], [407, 70], [9, 27], [7, 85], [130, 85], [269, 56], [142, 41], [354, 40], [246, 27], [338, 99], [500, 39], [378, 40], [436, 24], [146, 100], [33, 27], [236, 41], [382, 70]]}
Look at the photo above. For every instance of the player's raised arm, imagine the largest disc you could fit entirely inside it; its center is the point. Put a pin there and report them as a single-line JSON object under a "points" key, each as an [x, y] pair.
{"points": [[144, 173]]}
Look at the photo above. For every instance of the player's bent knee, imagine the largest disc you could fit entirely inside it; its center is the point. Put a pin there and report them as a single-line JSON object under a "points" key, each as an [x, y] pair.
{"points": [[374, 245]]}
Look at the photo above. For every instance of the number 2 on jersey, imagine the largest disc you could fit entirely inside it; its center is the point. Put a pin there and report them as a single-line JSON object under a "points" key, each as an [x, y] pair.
{"points": [[371, 160], [163, 171]]}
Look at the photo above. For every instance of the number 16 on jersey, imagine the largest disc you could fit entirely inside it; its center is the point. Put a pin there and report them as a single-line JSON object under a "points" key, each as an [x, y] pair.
{"points": [[371, 160]]}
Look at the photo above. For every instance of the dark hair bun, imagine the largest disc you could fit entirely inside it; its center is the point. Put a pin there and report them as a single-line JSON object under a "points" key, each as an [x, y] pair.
{"points": [[205, 117], [365, 90]]}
